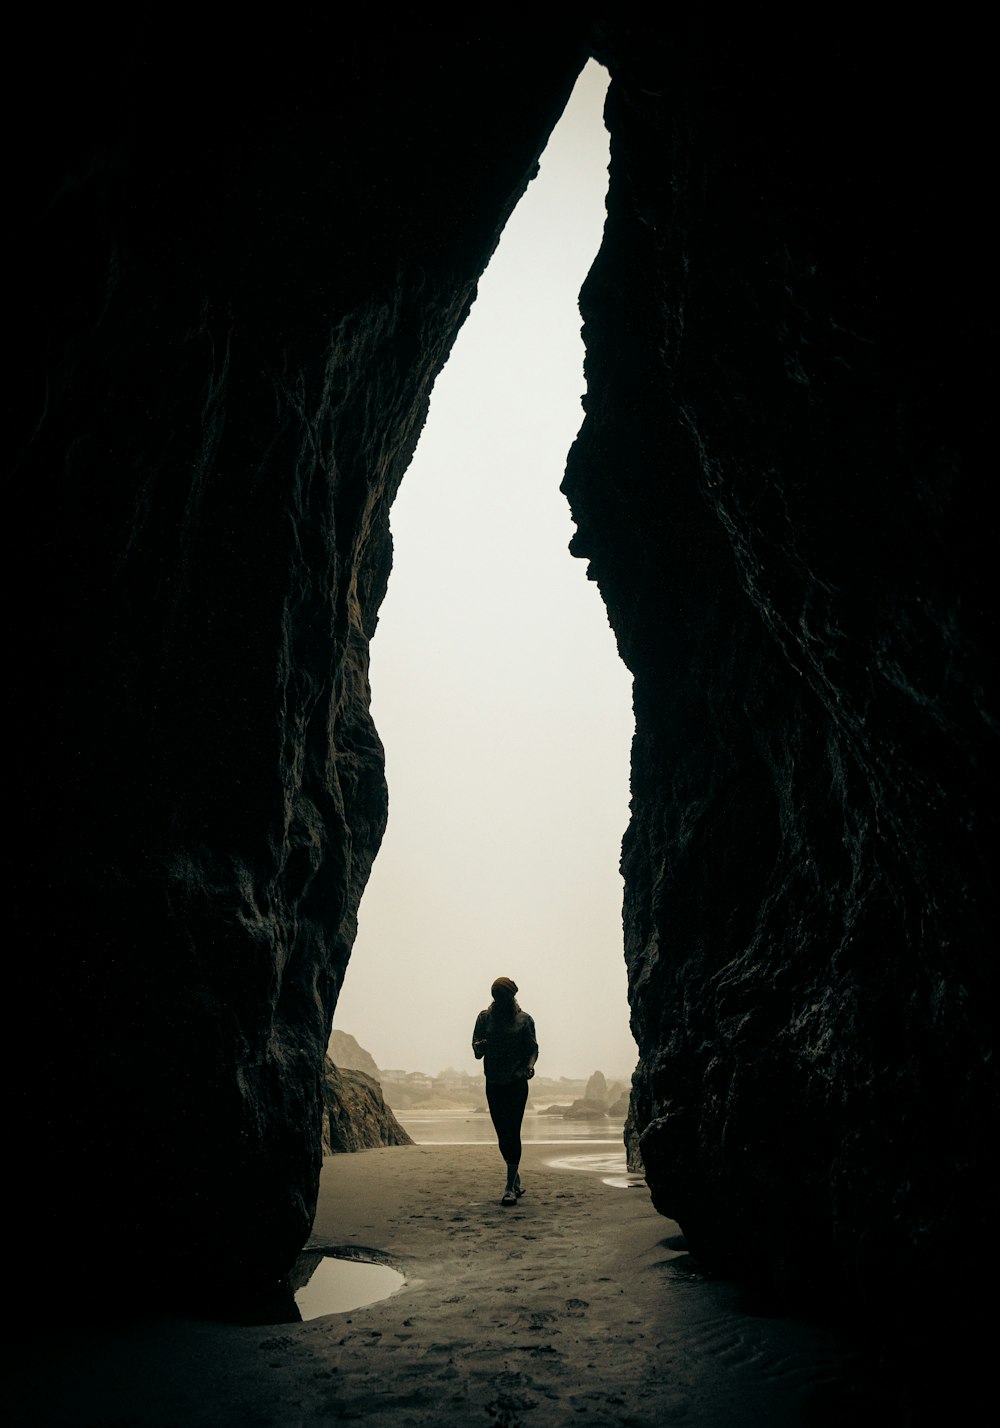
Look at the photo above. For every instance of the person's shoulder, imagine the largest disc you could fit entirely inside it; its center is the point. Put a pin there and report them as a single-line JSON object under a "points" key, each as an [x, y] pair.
{"points": [[527, 1019]]}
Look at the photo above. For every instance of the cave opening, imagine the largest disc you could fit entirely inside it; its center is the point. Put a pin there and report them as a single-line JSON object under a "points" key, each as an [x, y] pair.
{"points": [[238, 272], [497, 687]]}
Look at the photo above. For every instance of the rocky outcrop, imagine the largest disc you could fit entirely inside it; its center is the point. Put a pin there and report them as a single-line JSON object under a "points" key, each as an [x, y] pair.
{"points": [[355, 1115], [619, 1105], [779, 489], [594, 1103], [584, 1110]]}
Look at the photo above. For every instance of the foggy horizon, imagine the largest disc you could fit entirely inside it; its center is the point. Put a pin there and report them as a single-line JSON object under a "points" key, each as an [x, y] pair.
{"points": [[497, 688]]}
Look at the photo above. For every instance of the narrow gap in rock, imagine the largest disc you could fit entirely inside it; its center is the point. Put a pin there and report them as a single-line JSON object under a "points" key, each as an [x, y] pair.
{"points": [[497, 688]]}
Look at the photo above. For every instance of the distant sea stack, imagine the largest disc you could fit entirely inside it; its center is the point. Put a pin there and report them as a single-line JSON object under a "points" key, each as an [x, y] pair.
{"points": [[600, 1099]]}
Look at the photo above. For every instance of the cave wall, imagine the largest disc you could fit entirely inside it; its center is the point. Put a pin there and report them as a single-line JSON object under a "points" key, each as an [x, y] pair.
{"points": [[242, 257], [240, 262], [781, 489]]}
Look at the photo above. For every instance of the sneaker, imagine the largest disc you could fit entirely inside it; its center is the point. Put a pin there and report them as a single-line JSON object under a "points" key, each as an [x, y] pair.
{"points": [[509, 1198], [518, 1187]]}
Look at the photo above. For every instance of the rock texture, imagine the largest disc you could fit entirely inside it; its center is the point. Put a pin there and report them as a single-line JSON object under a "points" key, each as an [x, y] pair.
{"points": [[630, 1135], [240, 264], [780, 488], [355, 1115], [242, 259]]}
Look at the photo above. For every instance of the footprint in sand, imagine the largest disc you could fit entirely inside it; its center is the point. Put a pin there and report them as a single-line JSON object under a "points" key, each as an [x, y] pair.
{"points": [[540, 1318]]}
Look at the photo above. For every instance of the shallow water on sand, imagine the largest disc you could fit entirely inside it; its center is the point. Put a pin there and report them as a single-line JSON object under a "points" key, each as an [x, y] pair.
{"points": [[609, 1165], [337, 1285], [469, 1128]]}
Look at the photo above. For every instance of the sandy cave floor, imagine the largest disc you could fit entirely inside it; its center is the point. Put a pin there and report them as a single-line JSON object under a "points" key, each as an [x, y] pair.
{"points": [[579, 1305]]}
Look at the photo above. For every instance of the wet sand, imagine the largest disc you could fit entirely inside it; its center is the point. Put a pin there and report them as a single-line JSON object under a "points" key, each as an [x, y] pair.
{"points": [[579, 1305]]}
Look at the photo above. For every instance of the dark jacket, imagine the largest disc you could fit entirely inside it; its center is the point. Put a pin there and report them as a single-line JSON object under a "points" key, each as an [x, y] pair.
{"points": [[511, 1048]]}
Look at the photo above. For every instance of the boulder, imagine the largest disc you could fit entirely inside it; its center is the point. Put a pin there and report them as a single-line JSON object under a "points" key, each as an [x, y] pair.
{"points": [[355, 1115], [584, 1110]]}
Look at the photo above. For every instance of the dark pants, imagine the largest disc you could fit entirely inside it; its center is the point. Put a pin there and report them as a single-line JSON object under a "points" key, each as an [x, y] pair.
{"points": [[507, 1102]]}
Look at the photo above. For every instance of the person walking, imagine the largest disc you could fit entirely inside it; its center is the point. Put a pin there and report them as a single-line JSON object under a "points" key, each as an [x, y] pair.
{"points": [[504, 1040]]}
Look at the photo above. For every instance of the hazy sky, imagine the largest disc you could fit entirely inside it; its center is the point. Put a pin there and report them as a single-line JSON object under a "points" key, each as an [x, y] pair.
{"points": [[496, 683]]}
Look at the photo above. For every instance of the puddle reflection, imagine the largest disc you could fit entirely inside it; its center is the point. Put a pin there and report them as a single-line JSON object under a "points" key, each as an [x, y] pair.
{"points": [[325, 1284]]}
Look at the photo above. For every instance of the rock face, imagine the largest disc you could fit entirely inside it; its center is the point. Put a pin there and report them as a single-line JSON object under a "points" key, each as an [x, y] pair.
{"points": [[633, 1154], [779, 489], [242, 261], [240, 266], [355, 1115]]}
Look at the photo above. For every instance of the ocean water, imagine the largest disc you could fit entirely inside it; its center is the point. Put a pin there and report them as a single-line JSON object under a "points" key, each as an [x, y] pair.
{"points": [[467, 1128], [588, 1147]]}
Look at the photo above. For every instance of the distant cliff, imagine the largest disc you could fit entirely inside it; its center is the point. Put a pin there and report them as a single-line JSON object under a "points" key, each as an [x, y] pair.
{"points": [[345, 1052]]}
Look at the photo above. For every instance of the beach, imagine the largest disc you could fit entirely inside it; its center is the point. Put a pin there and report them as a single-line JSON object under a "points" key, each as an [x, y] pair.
{"points": [[578, 1305]]}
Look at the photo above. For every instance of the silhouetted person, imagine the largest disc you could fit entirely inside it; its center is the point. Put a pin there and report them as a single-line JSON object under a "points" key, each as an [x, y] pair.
{"points": [[505, 1035]]}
